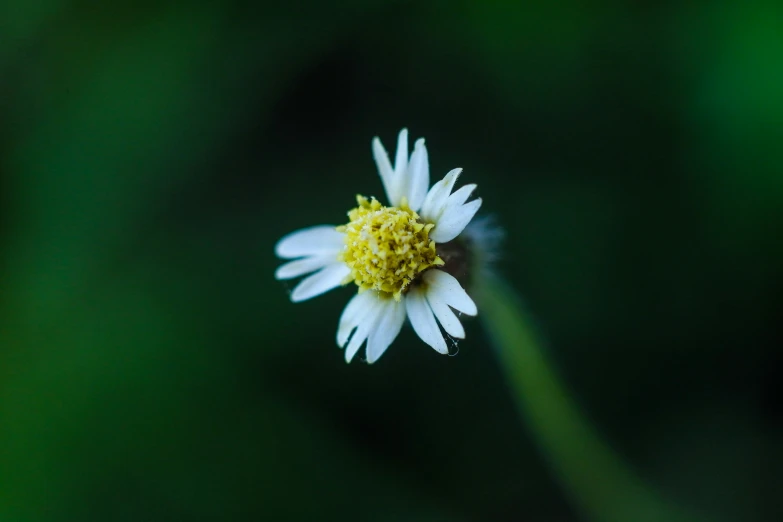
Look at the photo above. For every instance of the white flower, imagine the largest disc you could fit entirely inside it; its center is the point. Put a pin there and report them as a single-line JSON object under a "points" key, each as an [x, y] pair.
{"points": [[394, 254]]}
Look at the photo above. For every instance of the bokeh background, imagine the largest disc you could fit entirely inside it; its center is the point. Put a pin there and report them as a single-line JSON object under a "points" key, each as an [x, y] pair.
{"points": [[151, 154]]}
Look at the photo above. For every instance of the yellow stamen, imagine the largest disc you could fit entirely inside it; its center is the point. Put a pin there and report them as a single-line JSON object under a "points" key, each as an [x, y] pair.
{"points": [[386, 247]]}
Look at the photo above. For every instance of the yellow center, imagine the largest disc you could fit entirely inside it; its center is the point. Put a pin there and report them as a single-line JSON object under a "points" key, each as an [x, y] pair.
{"points": [[386, 247]]}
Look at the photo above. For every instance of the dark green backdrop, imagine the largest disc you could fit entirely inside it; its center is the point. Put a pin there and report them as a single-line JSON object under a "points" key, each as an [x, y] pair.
{"points": [[151, 154]]}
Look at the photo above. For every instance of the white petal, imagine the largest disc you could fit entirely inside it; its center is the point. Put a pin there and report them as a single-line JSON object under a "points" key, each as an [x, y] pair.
{"points": [[312, 241], [437, 196], [446, 317], [322, 281], [418, 176], [369, 320], [399, 180], [392, 317], [423, 321], [454, 221], [459, 197], [353, 314], [303, 266], [384, 170], [444, 287], [401, 159]]}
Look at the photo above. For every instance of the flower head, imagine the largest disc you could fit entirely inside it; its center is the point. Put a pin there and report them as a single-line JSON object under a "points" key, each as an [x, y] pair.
{"points": [[402, 257]]}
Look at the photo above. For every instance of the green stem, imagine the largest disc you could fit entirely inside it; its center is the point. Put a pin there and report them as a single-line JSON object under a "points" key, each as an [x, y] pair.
{"points": [[600, 484]]}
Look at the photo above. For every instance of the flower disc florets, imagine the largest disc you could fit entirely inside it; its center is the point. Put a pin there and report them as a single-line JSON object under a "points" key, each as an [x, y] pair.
{"points": [[386, 247]]}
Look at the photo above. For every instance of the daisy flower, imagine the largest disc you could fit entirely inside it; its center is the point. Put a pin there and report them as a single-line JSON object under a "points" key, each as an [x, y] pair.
{"points": [[402, 257]]}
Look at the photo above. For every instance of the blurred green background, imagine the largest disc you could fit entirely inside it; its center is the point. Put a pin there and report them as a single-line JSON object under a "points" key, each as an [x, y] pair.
{"points": [[151, 154]]}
